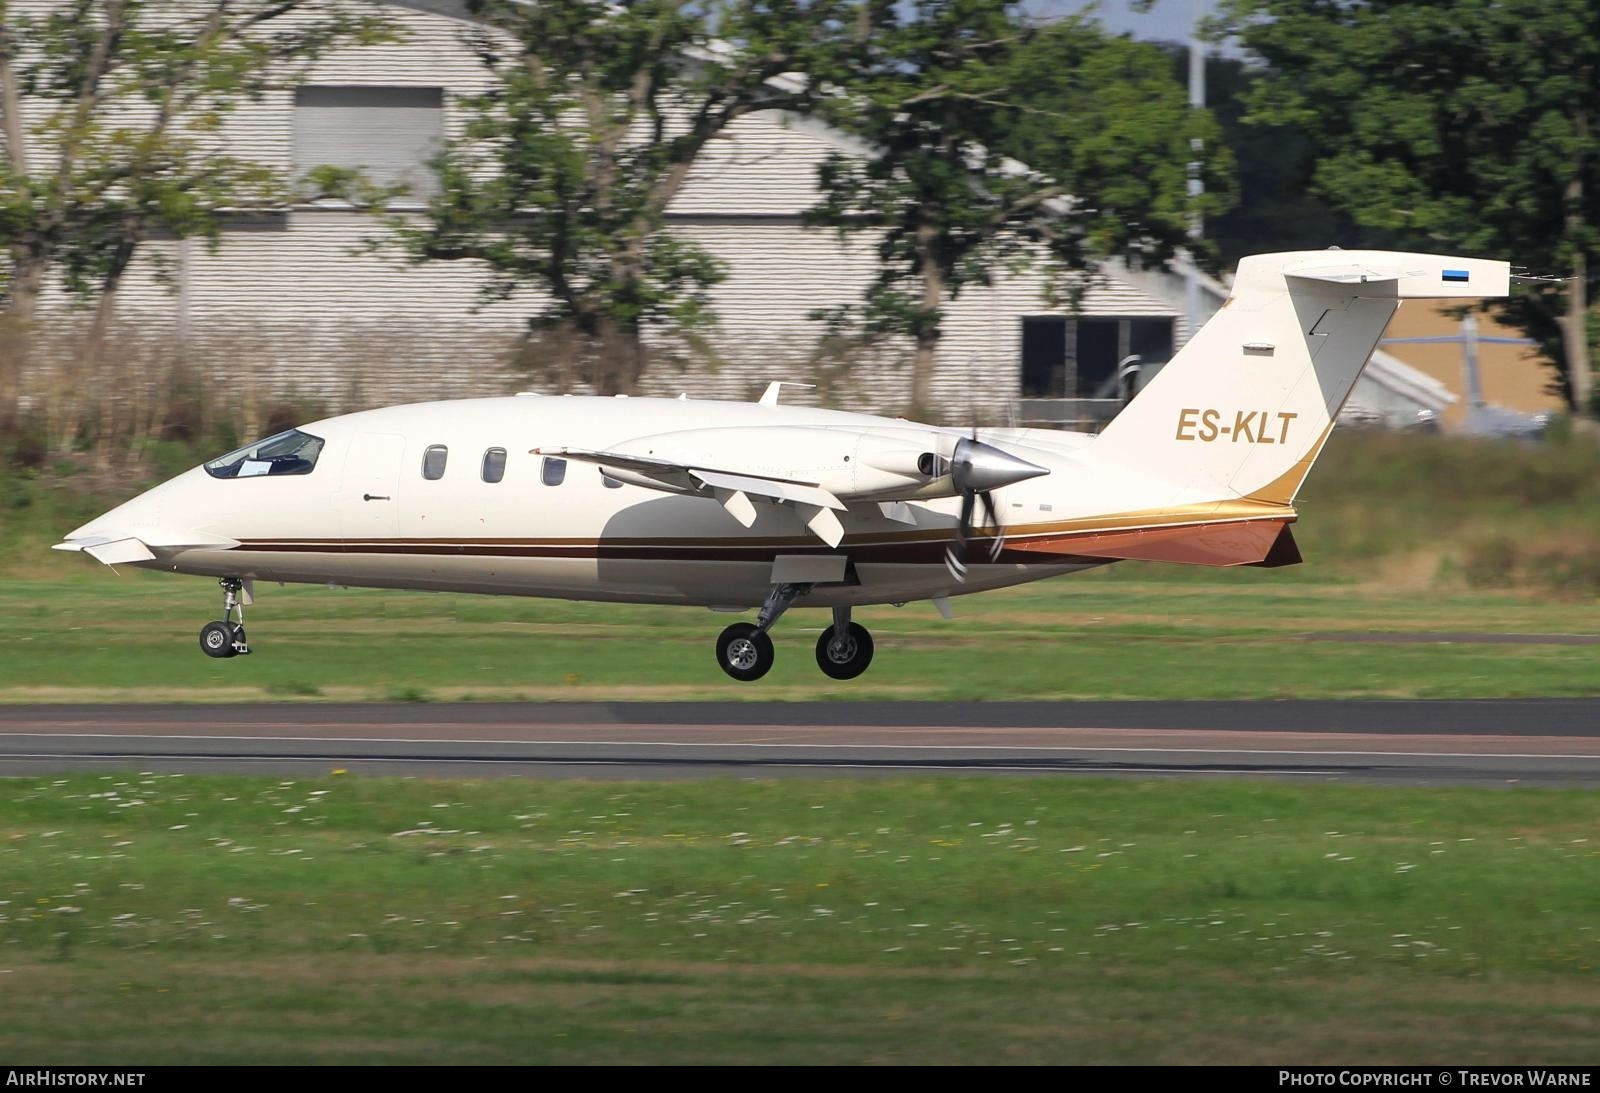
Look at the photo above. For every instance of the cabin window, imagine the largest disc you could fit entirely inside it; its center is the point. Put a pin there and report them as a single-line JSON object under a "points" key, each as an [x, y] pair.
{"points": [[610, 483], [287, 453], [554, 471], [494, 464], [433, 461]]}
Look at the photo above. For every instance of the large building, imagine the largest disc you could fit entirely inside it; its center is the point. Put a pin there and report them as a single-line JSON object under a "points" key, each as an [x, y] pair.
{"points": [[291, 303]]}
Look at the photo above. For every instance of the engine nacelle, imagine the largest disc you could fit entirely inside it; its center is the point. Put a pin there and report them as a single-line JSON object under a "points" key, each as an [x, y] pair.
{"points": [[914, 463]]}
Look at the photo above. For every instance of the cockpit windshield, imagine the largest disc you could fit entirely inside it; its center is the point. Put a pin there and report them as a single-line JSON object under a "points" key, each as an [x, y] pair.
{"points": [[292, 452]]}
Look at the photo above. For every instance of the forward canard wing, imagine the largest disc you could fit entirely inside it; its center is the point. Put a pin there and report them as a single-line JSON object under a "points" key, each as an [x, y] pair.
{"points": [[123, 548]]}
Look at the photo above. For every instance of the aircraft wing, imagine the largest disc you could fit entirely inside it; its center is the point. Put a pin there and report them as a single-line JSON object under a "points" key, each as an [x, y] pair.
{"points": [[667, 474], [815, 504]]}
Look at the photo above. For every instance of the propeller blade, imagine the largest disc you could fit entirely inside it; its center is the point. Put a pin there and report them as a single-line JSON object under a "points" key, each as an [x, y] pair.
{"points": [[977, 470], [955, 555], [953, 562], [992, 519]]}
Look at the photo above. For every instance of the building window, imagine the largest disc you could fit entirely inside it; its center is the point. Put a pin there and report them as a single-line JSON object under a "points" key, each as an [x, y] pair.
{"points": [[1078, 358], [433, 461], [391, 134], [1044, 357], [494, 464], [553, 472]]}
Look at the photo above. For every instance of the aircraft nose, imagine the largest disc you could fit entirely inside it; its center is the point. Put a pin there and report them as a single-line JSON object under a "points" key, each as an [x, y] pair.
{"points": [[128, 518]]}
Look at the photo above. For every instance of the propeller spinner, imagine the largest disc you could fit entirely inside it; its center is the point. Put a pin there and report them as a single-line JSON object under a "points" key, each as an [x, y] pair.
{"points": [[976, 470]]}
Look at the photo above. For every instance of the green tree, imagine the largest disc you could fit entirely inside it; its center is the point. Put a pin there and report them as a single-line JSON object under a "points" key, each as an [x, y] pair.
{"points": [[596, 115], [1277, 209], [1462, 124], [992, 144], [131, 97]]}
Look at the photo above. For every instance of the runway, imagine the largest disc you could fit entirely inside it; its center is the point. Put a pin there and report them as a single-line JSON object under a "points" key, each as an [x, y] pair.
{"points": [[1544, 742]]}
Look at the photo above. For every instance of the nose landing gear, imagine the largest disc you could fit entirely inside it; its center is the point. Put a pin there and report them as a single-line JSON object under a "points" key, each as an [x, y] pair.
{"points": [[227, 638]]}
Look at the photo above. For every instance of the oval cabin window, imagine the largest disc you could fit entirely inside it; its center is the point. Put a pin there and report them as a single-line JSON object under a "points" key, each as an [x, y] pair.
{"points": [[433, 461], [494, 464]]}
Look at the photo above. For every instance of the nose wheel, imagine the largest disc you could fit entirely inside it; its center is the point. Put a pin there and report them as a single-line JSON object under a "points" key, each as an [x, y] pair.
{"points": [[227, 638]]}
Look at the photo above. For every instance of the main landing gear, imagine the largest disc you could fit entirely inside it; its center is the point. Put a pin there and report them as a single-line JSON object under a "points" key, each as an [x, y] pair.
{"points": [[226, 638], [745, 651], [845, 649]]}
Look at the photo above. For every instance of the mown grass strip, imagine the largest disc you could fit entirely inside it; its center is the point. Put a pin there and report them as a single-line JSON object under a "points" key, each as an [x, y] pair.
{"points": [[167, 918], [104, 638]]}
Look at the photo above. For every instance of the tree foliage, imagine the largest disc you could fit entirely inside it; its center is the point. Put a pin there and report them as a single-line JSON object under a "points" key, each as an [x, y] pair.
{"points": [[990, 144], [595, 117], [1461, 124], [129, 98], [112, 117], [1277, 208]]}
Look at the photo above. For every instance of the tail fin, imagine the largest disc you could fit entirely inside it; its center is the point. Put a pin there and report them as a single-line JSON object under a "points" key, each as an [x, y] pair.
{"points": [[1245, 407]]}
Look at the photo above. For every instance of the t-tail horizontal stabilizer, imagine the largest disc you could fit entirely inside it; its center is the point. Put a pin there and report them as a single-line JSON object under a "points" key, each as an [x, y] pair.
{"points": [[1244, 408]]}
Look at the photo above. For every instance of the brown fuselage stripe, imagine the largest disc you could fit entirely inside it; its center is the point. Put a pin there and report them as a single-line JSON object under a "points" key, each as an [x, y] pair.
{"points": [[1046, 550], [1192, 515], [888, 553]]}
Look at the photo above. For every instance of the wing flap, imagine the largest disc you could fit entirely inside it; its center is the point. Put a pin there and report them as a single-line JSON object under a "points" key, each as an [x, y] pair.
{"points": [[79, 545], [738, 506], [120, 552], [773, 488], [822, 523]]}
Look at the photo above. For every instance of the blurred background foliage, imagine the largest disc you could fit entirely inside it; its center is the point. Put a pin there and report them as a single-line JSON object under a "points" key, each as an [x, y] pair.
{"points": [[998, 140]]}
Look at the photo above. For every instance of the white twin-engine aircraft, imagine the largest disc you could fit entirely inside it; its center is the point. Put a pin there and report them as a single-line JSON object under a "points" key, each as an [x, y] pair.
{"points": [[735, 506]]}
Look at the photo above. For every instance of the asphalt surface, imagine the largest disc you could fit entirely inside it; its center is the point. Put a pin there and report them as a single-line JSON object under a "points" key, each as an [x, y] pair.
{"points": [[1546, 742]]}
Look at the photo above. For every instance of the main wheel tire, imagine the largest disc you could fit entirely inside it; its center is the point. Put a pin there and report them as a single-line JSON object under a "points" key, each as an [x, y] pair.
{"points": [[241, 644], [744, 652], [216, 640], [845, 657]]}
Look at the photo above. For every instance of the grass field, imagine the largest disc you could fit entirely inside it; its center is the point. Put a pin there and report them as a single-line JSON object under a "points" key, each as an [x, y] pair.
{"points": [[151, 919], [105, 638]]}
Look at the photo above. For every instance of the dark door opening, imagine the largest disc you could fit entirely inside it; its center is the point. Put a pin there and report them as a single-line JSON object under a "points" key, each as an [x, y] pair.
{"points": [[1098, 344], [1044, 357]]}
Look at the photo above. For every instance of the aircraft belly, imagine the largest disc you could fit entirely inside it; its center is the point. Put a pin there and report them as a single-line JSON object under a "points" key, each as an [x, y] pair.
{"points": [[697, 582]]}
